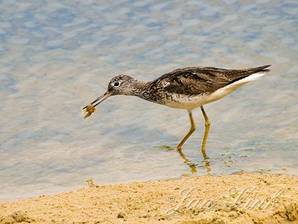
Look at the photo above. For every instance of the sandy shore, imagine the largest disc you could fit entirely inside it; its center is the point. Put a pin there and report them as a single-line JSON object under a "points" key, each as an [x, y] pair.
{"points": [[240, 198]]}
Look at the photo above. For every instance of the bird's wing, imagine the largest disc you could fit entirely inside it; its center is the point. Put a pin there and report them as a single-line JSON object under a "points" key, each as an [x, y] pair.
{"points": [[200, 80]]}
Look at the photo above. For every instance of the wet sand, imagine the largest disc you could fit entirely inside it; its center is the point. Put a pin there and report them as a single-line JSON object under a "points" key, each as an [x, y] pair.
{"points": [[238, 198]]}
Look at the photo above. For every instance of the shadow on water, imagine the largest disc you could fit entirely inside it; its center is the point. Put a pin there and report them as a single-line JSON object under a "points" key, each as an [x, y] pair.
{"points": [[219, 163], [205, 162]]}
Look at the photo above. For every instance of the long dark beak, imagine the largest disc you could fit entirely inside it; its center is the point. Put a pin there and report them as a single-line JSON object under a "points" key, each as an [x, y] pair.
{"points": [[100, 99]]}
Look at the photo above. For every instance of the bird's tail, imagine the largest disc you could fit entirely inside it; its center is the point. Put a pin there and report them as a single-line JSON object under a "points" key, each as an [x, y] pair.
{"points": [[252, 74], [264, 68], [249, 74]]}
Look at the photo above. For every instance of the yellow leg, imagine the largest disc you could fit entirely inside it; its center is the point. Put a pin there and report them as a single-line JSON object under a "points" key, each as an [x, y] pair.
{"points": [[207, 127], [191, 130]]}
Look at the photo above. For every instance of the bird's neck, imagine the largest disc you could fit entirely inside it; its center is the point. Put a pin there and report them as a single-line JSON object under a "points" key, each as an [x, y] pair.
{"points": [[145, 91], [139, 87]]}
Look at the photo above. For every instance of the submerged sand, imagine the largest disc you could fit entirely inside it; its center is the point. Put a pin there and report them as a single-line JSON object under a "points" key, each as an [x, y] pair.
{"points": [[239, 198]]}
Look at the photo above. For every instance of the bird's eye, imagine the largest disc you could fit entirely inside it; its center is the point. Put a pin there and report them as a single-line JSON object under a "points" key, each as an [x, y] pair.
{"points": [[116, 83]]}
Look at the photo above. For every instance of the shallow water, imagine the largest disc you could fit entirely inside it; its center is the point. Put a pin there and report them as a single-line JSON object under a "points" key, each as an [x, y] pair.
{"points": [[56, 56]]}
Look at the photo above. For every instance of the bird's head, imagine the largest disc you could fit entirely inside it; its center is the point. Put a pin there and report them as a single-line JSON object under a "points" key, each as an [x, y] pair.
{"points": [[119, 85]]}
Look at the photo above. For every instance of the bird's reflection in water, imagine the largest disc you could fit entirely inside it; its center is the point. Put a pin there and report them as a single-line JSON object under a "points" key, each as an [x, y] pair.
{"points": [[193, 167]]}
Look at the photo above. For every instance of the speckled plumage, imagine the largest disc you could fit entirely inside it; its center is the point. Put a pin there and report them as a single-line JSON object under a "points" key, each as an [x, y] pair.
{"points": [[193, 81], [184, 88]]}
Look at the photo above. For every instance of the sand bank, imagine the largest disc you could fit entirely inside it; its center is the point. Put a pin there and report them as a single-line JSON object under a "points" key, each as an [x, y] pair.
{"points": [[239, 198]]}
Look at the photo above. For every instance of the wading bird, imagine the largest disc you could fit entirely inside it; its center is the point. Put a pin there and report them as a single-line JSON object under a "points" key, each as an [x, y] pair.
{"points": [[186, 88]]}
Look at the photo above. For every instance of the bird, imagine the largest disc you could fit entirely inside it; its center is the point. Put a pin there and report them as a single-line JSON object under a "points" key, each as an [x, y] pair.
{"points": [[184, 88]]}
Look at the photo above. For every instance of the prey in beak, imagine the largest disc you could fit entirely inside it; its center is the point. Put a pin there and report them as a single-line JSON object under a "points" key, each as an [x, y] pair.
{"points": [[119, 85], [90, 108]]}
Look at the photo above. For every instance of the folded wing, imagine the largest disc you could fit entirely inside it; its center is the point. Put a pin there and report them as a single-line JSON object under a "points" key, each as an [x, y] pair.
{"points": [[201, 80]]}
